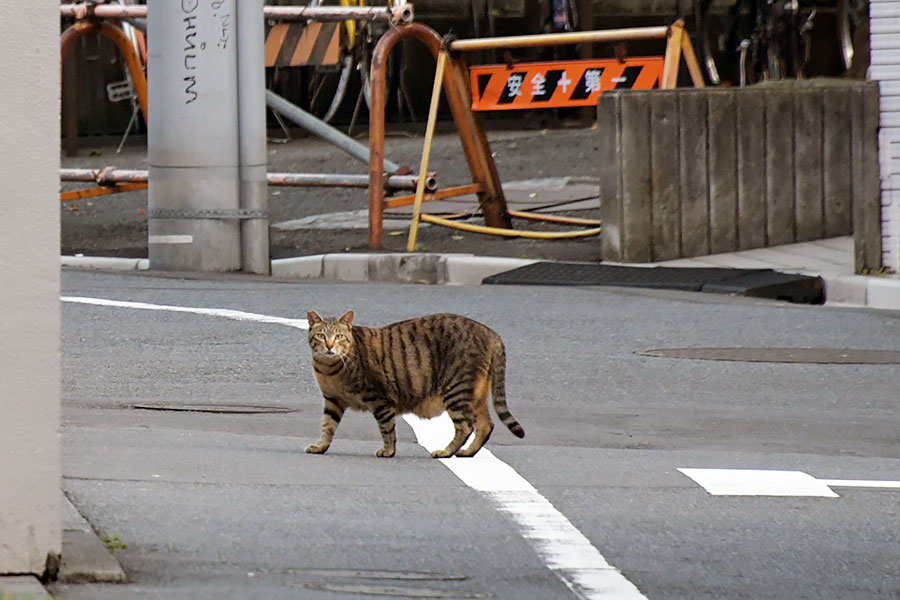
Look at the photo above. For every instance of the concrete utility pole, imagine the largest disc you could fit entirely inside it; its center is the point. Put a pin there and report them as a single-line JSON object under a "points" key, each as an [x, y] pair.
{"points": [[252, 135], [30, 469], [195, 145]]}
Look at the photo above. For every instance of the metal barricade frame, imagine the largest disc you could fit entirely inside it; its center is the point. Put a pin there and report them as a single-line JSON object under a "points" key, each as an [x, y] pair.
{"points": [[451, 75]]}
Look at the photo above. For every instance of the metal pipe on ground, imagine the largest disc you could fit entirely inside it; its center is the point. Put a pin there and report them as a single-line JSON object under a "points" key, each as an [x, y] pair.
{"points": [[107, 175], [392, 182], [323, 130], [399, 14], [112, 175]]}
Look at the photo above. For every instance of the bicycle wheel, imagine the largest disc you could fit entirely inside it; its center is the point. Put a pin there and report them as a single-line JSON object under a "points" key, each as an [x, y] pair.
{"points": [[849, 15], [367, 39], [726, 42], [707, 40], [327, 85]]}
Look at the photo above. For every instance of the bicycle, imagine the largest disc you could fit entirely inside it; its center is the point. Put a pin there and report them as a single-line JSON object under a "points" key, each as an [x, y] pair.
{"points": [[138, 39], [761, 40], [850, 14], [327, 86], [127, 32]]}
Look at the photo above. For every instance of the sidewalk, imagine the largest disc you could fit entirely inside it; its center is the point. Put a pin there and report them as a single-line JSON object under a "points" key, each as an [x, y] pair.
{"points": [[830, 259]]}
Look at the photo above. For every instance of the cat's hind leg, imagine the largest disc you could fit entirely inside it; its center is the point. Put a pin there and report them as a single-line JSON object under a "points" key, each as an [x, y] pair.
{"points": [[333, 411], [483, 424], [459, 402], [462, 425]]}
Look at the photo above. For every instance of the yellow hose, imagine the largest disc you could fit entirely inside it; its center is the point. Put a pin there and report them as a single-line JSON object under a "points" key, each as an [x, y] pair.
{"points": [[538, 235], [535, 217], [553, 218]]}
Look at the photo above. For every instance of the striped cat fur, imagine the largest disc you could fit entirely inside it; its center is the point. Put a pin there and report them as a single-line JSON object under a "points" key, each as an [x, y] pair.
{"points": [[423, 366]]}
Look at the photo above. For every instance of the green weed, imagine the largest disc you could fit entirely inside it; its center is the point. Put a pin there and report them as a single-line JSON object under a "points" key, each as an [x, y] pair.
{"points": [[113, 544]]}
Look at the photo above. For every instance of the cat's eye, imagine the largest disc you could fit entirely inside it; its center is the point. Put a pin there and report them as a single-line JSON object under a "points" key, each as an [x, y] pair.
{"points": [[319, 336], [340, 336]]}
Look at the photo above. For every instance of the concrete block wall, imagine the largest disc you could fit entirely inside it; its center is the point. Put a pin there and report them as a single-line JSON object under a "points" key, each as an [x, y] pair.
{"points": [[694, 172]]}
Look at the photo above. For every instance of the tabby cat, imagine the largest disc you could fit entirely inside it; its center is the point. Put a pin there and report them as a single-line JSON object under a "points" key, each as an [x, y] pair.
{"points": [[424, 366]]}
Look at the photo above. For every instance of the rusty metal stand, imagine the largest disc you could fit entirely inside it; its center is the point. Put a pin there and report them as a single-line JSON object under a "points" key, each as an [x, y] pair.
{"points": [[486, 183], [471, 133]]}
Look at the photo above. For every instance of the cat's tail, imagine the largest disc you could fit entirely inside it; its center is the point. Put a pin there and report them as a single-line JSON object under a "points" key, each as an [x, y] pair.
{"points": [[498, 390]]}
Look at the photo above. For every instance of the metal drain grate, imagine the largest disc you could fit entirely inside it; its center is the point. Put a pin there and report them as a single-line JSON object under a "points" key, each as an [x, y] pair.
{"points": [[396, 584], [761, 283]]}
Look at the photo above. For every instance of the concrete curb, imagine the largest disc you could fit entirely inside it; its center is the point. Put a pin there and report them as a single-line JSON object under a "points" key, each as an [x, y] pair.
{"points": [[85, 558], [435, 269], [22, 587], [860, 290], [883, 293], [105, 263], [467, 269]]}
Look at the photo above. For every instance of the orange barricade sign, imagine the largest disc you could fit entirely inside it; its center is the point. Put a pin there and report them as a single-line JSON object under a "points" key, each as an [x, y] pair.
{"points": [[560, 83], [302, 44]]}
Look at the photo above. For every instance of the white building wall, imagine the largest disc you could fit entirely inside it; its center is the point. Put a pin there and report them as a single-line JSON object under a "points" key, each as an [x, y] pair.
{"points": [[30, 468], [885, 68]]}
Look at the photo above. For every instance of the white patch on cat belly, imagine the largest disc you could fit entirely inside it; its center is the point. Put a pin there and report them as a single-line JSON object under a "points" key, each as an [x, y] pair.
{"points": [[429, 408]]}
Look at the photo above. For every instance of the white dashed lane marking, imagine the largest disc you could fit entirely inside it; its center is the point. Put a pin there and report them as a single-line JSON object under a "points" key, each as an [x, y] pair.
{"points": [[235, 315], [757, 482]]}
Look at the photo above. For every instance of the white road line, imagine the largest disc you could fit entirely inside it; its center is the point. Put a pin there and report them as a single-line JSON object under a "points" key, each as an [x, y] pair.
{"points": [[752, 482], [226, 313], [887, 485], [562, 547]]}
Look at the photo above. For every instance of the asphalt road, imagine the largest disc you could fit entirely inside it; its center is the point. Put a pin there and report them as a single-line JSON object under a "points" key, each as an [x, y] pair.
{"points": [[229, 505]]}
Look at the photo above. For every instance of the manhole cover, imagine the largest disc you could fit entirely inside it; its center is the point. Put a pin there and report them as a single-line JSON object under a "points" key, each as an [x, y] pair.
{"points": [[783, 355], [375, 574], [391, 590], [225, 409]]}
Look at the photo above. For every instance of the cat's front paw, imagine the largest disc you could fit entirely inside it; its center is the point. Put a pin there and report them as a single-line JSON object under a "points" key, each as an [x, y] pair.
{"points": [[316, 449], [440, 454], [384, 452]]}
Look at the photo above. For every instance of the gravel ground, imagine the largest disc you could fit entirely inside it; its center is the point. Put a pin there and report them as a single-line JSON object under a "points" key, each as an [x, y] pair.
{"points": [[117, 225]]}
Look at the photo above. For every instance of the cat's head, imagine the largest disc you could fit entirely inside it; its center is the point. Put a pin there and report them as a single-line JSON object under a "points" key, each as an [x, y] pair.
{"points": [[329, 336]]}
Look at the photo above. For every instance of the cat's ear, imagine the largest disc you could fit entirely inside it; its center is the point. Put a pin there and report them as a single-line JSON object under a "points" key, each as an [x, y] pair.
{"points": [[313, 317], [347, 318]]}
